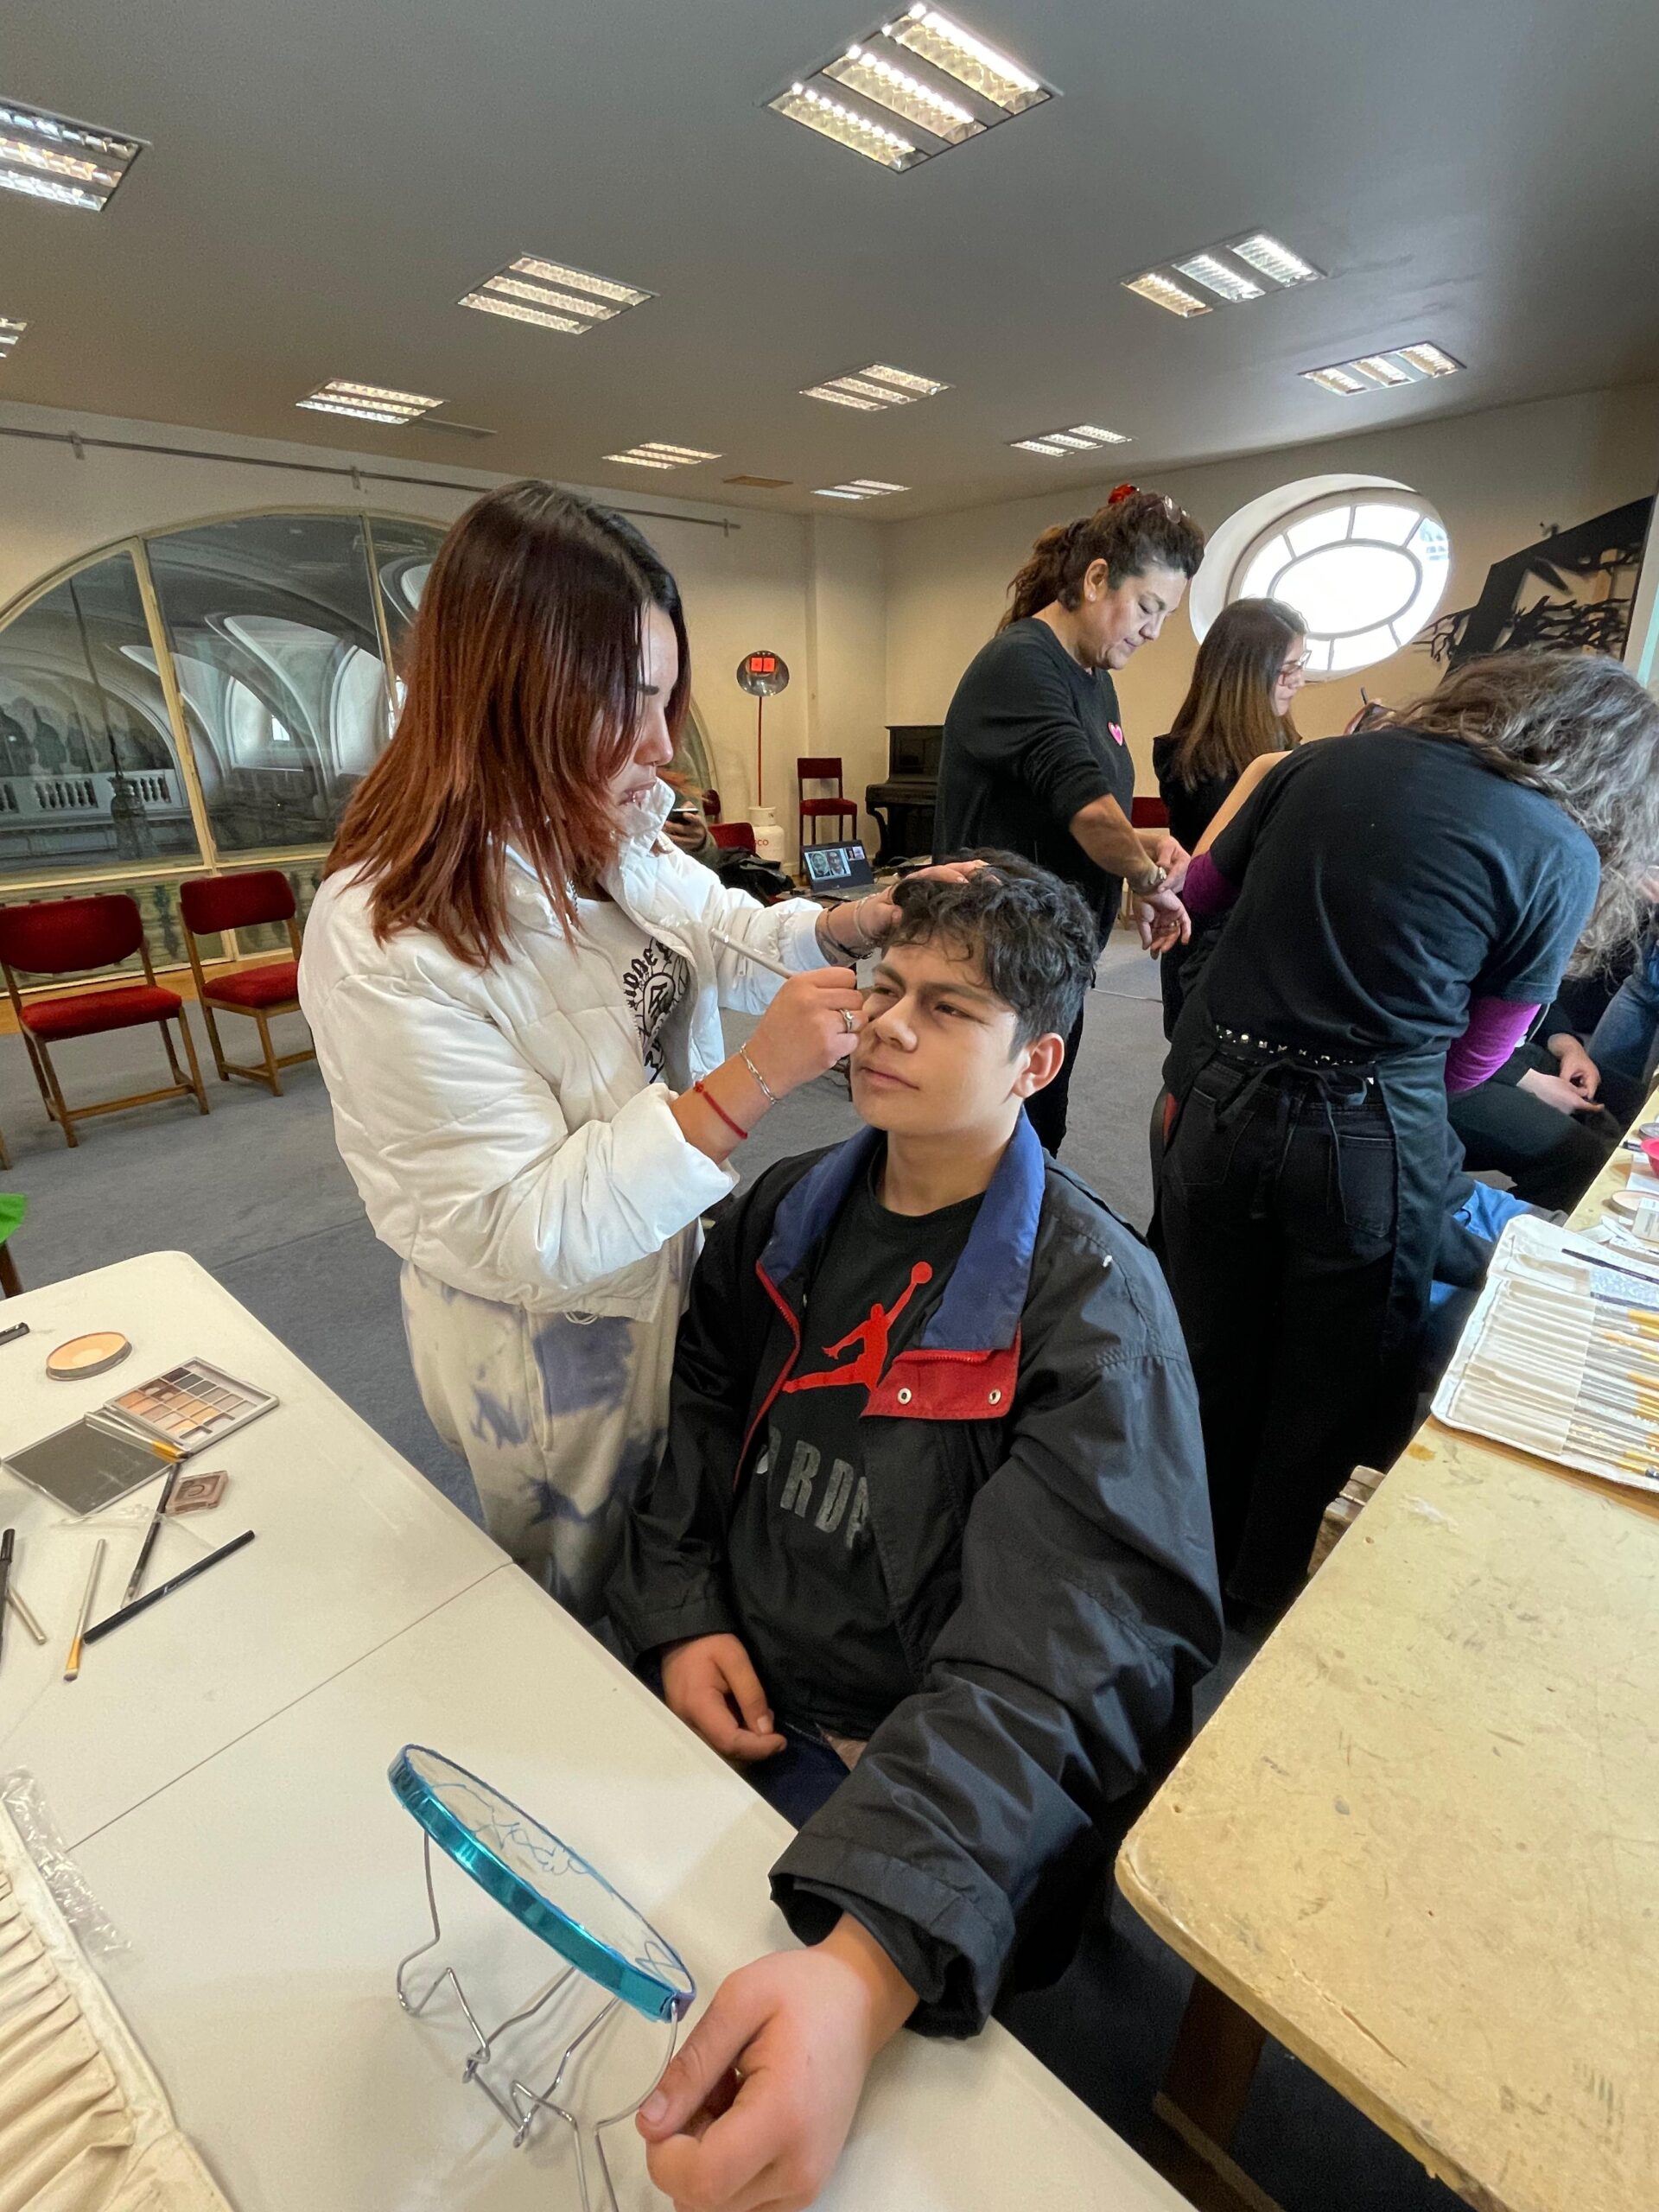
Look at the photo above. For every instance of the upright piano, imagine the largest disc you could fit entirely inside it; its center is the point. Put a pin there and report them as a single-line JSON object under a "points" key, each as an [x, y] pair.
{"points": [[903, 806]]}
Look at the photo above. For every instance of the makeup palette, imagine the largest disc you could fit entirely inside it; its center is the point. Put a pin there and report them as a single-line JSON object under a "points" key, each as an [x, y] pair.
{"points": [[191, 1406]]}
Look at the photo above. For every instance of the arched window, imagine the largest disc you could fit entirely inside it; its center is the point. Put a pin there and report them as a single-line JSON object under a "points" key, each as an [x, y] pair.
{"points": [[206, 696], [1364, 560]]}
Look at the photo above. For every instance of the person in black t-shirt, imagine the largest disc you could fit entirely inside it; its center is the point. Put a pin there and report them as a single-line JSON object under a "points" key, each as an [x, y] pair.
{"points": [[1034, 758], [1402, 901], [929, 1550], [1250, 665]]}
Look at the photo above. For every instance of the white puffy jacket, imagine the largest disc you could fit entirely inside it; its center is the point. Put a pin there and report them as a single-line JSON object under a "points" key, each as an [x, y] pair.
{"points": [[498, 1123]]}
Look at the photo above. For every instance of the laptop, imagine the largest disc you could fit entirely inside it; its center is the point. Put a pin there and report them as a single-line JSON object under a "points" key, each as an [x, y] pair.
{"points": [[837, 871]]}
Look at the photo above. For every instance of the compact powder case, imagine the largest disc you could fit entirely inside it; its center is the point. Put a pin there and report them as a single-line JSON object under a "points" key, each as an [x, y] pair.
{"points": [[91, 1355]]}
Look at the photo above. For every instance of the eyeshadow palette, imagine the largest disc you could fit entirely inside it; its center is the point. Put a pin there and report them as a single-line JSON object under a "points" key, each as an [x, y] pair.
{"points": [[191, 1406]]}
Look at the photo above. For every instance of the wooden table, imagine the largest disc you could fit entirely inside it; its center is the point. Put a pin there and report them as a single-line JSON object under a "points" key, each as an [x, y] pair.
{"points": [[1418, 1843], [225, 1791]]}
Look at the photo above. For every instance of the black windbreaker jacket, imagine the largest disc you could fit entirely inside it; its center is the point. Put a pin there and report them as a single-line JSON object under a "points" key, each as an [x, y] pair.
{"points": [[1037, 1493]]}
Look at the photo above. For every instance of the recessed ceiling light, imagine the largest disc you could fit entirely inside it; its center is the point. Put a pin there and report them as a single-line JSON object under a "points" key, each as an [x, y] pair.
{"points": [[859, 487], [1061, 445], [962, 54], [1229, 270], [367, 403], [1335, 380], [553, 295], [1274, 261], [876, 386], [49, 157], [1213, 273], [860, 134], [10, 332], [1381, 369], [923, 71], [903, 95], [1430, 360], [1165, 292], [654, 454], [1400, 365]]}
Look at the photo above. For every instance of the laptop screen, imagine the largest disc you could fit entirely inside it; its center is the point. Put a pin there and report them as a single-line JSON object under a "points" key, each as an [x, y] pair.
{"points": [[837, 867]]}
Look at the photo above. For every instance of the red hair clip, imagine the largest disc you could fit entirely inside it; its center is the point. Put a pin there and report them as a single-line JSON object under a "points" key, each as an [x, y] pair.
{"points": [[1120, 491]]}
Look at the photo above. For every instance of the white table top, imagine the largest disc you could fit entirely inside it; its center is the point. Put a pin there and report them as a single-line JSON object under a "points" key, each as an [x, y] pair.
{"points": [[248, 1846], [350, 1548]]}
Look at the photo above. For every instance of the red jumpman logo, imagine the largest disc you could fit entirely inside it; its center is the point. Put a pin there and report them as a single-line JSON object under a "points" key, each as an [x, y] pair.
{"points": [[872, 1335]]}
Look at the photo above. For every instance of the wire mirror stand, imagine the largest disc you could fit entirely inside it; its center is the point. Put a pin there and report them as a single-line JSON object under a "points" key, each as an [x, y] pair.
{"points": [[606, 1945]]}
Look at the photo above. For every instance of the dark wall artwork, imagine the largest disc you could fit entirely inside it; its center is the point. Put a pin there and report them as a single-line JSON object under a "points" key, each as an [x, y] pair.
{"points": [[1574, 590]]}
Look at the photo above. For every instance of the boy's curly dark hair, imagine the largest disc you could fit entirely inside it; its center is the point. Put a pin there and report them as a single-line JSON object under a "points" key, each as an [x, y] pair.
{"points": [[1032, 934]]}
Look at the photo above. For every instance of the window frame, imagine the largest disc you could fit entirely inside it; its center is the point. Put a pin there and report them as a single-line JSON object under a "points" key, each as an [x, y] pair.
{"points": [[1328, 500]]}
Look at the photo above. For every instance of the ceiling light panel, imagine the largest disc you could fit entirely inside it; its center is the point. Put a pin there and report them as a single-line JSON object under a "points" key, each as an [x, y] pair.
{"points": [[911, 89], [875, 386], [367, 403], [1165, 292], [1274, 261], [552, 295], [859, 487], [1400, 365], [49, 157], [654, 454], [1232, 271], [10, 332], [1218, 277], [1066, 445]]}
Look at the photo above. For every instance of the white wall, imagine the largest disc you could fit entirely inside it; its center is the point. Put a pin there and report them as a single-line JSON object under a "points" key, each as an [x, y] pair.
{"points": [[807, 587], [1499, 479]]}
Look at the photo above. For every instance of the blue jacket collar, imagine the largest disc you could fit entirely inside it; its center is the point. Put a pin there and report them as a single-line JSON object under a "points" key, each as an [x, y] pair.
{"points": [[988, 1289]]}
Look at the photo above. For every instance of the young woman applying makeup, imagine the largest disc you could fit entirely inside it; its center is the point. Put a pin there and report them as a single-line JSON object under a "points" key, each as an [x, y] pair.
{"points": [[1034, 760], [514, 983]]}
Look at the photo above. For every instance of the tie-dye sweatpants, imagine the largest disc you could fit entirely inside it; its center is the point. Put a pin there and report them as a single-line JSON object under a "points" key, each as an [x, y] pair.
{"points": [[558, 1415]]}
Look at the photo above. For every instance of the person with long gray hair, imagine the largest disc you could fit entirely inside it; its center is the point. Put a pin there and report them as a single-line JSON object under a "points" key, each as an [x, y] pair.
{"points": [[1403, 901]]}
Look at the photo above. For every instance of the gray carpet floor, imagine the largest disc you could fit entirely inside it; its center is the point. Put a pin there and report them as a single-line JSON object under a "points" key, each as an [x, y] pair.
{"points": [[256, 1193]]}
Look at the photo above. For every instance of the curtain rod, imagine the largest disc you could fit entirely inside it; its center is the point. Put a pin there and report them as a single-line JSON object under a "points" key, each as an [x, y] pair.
{"points": [[358, 475]]}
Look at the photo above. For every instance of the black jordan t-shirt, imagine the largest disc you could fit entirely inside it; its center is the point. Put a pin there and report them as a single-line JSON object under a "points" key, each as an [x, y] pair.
{"points": [[806, 1580]]}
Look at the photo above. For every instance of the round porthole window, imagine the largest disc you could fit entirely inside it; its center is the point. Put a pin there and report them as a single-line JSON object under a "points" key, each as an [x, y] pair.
{"points": [[1365, 562]]}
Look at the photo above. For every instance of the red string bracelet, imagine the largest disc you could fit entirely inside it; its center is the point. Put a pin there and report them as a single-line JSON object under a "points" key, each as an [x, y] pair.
{"points": [[703, 1092]]}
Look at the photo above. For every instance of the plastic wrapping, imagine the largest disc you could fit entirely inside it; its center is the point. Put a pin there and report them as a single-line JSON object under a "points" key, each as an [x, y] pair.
{"points": [[23, 1801]]}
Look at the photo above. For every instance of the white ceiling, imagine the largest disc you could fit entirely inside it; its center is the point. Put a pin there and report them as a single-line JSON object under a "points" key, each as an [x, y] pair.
{"points": [[326, 177]]}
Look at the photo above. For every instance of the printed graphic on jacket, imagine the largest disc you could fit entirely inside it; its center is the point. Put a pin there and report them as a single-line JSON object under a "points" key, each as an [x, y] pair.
{"points": [[806, 1568], [654, 983]]}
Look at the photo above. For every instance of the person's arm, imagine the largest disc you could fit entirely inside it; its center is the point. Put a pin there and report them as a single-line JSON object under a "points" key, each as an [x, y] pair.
{"points": [[1495, 1030]]}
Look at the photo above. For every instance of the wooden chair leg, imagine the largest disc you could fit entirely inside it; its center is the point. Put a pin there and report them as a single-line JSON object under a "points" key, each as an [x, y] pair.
{"points": [[11, 1283], [274, 1079], [52, 1091], [5, 1157], [196, 1083], [212, 1039]]}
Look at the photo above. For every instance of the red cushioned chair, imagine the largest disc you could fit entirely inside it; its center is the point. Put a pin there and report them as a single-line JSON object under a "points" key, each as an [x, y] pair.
{"points": [[732, 837], [823, 768], [213, 903], [1148, 813], [55, 937]]}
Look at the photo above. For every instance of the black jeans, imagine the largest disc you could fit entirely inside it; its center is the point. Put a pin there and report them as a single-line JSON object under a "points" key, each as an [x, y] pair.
{"points": [[1047, 1110], [1277, 1221]]}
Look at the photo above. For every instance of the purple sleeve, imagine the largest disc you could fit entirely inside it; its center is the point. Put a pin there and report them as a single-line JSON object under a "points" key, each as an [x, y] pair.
{"points": [[1205, 890], [1496, 1027]]}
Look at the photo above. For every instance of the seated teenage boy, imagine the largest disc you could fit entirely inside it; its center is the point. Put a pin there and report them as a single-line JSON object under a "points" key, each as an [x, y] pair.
{"points": [[932, 1508]]}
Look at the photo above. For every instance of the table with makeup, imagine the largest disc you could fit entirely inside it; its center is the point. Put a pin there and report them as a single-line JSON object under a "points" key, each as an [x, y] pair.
{"points": [[1418, 1843], [218, 1772]]}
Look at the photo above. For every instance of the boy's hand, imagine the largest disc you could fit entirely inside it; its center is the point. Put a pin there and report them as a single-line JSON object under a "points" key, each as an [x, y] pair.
{"points": [[755, 2110], [703, 1680]]}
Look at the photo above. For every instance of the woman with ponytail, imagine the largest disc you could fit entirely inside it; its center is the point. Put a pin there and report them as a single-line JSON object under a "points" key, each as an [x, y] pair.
{"points": [[1034, 760]]}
